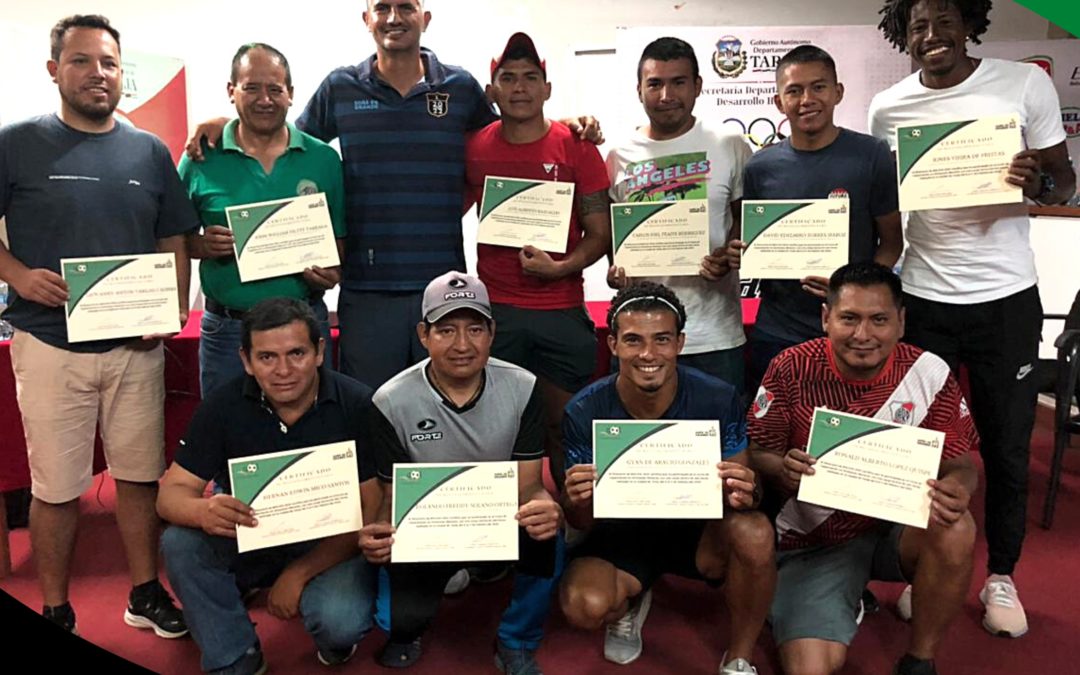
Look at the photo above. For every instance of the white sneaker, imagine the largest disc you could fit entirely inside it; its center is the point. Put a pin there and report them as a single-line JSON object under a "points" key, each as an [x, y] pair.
{"points": [[1004, 614], [458, 583], [622, 643], [737, 667], [903, 604]]}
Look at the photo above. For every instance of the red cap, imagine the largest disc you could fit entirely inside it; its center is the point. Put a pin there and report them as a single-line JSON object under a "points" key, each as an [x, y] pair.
{"points": [[523, 44]]}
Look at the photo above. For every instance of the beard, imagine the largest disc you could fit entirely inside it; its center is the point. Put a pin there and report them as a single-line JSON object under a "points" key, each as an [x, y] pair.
{"points": [[97, 112]]}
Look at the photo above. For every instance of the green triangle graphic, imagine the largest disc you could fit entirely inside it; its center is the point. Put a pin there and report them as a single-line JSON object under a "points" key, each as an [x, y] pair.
{"points": [[248, 483], [831, 430], [499, 190], [244, 221], [611, 440], [759, 217], [625, 218], [1059, 12], [413, 483], [83, 276], [916, 141]]}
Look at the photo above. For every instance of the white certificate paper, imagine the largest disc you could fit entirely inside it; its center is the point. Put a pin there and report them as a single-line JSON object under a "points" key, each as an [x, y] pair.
{"points": [[958, 163], [121, 296], [657, 469], [298, 495], [455, 512], [283, 236], [660, 238], [792, 239], [517, 212], [870, 467]]}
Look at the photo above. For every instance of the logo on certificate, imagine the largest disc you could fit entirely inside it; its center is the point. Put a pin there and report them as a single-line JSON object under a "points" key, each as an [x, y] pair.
{"points": [[729, 59], [251, 468], [438, 104], [412, 476], [916, 133]]}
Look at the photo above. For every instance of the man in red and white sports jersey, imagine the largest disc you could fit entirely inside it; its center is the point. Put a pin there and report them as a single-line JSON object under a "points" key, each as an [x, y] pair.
{"points": [[825, 556]]}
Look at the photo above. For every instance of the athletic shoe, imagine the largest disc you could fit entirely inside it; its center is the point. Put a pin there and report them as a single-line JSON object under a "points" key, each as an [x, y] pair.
{"points": [[870, 602], [622, 644], [457, 583], [903, 604], [335, 657], [251, 663], [489, 574], [400, 654], [909, 665], [150, 606], [61, 615], [516, 661], [737, 667], [1004, 614], [862, 613]]}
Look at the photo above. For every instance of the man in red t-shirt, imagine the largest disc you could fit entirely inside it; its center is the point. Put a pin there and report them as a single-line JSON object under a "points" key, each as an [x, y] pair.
{"points": [[538, 297], [825, 556]]}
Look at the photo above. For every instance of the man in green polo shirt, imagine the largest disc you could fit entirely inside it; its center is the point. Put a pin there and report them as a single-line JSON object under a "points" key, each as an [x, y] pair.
{"points": [[260, 158]]}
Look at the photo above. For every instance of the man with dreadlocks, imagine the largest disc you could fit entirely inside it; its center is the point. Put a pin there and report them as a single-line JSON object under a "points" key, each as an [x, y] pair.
{"points": [[969, 273]]}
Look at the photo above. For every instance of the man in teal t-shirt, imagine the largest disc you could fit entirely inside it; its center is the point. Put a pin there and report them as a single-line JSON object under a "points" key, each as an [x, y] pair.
{"points": [[260, 158]]}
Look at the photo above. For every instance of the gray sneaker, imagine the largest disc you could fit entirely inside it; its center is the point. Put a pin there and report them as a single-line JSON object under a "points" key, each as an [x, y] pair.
{"points": [[458, 583], [622, 644], [737, 667]]}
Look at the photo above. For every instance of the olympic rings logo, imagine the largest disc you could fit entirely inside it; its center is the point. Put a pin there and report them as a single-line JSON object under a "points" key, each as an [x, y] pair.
{"points": [[762, 131]]}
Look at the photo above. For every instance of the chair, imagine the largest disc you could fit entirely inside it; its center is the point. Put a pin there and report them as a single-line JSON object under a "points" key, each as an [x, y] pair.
{"points": [[1066, 390]]}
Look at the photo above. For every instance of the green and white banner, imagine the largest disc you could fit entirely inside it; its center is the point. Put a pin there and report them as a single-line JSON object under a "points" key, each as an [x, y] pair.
{"points": [[657, 469], [455, 512], [298, 495]]}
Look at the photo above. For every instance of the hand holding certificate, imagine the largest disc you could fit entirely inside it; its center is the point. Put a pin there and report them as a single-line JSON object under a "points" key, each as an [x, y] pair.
{"points": [[657, 469], [298, 495], [871, 467], [121, 296], [956, 164], [660, 238], [457, 512], [516, 212], [283, 236], [794, 239]]}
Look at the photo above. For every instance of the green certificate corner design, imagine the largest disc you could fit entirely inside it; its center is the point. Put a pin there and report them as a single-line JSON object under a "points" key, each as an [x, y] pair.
{"points": [[755, 223], [410, 492], [623, 225], [495, 196], [81, 282], [618, 444], [828, 436], [918, 145], [244, 227], [248, 486]]}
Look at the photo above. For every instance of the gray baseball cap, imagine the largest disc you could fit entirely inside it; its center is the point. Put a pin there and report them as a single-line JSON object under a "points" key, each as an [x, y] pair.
{"points": [[455, 290]]}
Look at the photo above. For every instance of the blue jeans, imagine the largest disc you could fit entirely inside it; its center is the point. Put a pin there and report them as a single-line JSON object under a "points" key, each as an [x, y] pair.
{"points": [[219, 347], [207, 575]]}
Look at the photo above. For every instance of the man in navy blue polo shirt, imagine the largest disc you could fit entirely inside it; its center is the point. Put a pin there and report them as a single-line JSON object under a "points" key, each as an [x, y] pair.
{"points": [[287, 401], [613, 567]]}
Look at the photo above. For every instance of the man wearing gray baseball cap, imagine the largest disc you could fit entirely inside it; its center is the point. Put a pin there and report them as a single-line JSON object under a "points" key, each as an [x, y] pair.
{"points": [[469, 408]]}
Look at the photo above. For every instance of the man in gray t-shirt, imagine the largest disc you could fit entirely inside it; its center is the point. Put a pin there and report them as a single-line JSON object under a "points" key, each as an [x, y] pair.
{"points": [[460, 405]]}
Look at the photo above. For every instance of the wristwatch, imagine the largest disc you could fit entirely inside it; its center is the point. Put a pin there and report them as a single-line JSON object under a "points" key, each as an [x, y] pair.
{"points": [[1048, 186]]}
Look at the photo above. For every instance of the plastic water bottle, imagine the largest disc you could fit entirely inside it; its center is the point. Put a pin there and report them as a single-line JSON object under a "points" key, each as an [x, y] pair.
{"points": [[6, 331]]}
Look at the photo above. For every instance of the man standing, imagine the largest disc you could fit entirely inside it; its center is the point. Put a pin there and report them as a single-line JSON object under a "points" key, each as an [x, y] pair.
{"points": [[969, 273], [287, 401], [612, 569], [473, 408], [826, 555], [818, 160], [538, 299], [668, 87], [260, 158], [79, 184]]}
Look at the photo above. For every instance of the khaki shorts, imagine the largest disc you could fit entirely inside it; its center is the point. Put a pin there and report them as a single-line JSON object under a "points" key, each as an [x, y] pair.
{"points": [[64, 396]]}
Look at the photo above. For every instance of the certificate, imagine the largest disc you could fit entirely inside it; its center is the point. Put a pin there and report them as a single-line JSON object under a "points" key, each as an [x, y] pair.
{"points": [[660, 239], [298, 495], [455, 512], [954, 164], [792, 239], [517, 212], [659, 469], [283, 236], [872, 467], [121, 296]]}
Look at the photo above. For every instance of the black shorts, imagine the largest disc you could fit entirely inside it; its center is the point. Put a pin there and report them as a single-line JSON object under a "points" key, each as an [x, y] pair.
{"points": [[558, 345], [645, 549]]}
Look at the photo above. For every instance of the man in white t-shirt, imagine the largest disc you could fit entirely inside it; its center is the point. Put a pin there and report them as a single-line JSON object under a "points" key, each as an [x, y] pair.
{"points": [[969, 273], [677, 156]]}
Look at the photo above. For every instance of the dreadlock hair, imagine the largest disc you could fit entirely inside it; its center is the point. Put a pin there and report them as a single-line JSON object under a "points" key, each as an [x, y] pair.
{"points": [[896, 13]]}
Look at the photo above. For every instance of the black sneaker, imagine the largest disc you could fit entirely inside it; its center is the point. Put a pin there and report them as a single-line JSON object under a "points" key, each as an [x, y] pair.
{"points": [[516, 661], [150, 606], [870, 602], [909, 665], [61, 615], [400, 654], [251, 663], [335, 657]]}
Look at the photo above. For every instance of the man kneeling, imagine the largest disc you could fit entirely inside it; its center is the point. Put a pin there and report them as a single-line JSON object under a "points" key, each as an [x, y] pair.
{"points": [[287, 401], [826, 556], [608, 581]]}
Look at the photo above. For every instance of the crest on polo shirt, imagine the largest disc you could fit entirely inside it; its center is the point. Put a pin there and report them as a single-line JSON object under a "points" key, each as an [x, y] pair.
{"points": [[306, 186], [438, 104], [762, 401], [902, 411]]}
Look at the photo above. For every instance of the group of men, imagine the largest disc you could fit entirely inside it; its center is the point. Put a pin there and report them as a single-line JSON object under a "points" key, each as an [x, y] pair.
{"points": [[500, 362]]}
